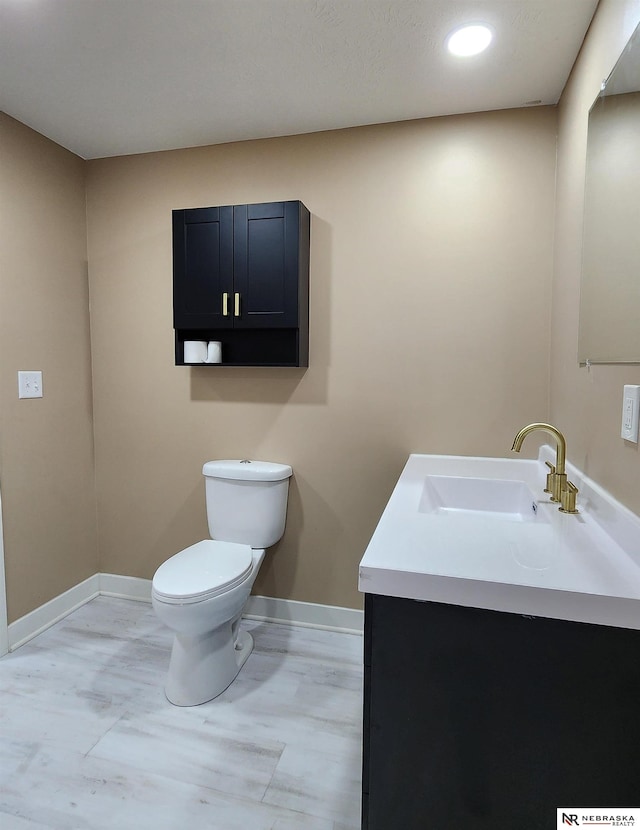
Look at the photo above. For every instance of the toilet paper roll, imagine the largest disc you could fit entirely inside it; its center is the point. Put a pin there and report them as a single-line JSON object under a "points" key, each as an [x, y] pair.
{"points": [[214, 352], [195, 351]]}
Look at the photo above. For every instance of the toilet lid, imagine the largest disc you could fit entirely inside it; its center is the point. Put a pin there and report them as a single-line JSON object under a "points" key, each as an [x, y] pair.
{"points": [[201, 571]]}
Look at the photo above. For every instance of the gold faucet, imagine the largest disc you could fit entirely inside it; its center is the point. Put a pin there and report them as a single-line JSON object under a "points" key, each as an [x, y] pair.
{"points": [[562, 491]]}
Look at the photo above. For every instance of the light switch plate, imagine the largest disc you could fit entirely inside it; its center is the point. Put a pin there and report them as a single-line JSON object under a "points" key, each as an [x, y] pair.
{"points": [[29, 384], [630, 411]]}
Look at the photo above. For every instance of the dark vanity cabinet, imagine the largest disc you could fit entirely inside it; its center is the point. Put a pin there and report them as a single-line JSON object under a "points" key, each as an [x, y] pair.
{"points": [[241, 277], [484, 719]]}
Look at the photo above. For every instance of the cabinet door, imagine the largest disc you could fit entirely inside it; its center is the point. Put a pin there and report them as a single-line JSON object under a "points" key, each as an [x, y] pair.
{"points": [[489, 720], [266, 266], [203, 267]]}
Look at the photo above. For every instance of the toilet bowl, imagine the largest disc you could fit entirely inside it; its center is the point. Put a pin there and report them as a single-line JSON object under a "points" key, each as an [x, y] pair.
{"points": [[203, 606], [200, 592]]}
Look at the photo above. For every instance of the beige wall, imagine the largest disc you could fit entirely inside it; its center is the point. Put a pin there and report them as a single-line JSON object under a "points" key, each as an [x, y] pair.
{"points": [[587, 403], [430, 295], [430, 331], [46, 446]]}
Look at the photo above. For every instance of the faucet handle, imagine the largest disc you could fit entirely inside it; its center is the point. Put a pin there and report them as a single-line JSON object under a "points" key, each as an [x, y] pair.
{"points": [[550, 477], [568, 499]]}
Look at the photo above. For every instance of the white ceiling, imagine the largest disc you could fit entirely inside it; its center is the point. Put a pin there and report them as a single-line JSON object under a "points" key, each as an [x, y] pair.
{"points": [[113, 77]]}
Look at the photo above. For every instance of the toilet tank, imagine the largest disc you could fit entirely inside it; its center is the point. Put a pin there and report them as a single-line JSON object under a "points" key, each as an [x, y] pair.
{"points": [[246, 501]]}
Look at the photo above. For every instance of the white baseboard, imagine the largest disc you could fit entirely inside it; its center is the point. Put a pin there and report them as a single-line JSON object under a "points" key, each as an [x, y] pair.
{"points": [[268, 609], [125, 587], [306, 614], [43, 617]]}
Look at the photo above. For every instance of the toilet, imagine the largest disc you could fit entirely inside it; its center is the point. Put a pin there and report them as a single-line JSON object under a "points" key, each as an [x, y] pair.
{"points": [[201, 591]]}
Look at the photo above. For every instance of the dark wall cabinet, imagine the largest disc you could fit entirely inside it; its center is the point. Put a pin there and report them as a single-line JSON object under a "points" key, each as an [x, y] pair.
{"points": [[482, 719], [241, 276]]}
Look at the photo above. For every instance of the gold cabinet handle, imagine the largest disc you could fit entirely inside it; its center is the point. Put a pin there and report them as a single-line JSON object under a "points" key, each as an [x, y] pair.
{"points": [[225, 304], [236, 307]]}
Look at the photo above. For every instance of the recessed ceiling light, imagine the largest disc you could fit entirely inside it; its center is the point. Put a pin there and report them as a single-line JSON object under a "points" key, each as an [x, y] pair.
{"points": [[469, 40]]}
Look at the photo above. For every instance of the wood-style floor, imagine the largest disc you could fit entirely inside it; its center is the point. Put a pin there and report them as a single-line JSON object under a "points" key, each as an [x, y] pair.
{"points": [[88, 740]]}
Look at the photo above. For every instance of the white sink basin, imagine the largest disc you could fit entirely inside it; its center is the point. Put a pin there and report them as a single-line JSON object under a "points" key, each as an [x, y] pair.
{"points": [[502, 498], [481, 532]]}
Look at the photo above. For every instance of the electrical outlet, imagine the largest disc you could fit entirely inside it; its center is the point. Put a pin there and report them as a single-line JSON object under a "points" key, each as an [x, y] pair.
{"points": [[630, 412], [29, 384]]}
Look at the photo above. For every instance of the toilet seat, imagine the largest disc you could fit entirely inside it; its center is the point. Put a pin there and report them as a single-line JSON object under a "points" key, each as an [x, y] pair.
{"points": [[202, 571]]}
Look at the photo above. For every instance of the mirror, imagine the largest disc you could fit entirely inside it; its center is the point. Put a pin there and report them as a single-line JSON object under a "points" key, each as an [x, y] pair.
{"points": [[609, 330]]}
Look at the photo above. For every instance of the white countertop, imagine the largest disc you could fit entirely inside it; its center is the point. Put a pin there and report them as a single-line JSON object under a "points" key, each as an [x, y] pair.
{"points": [[583, 567]]}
